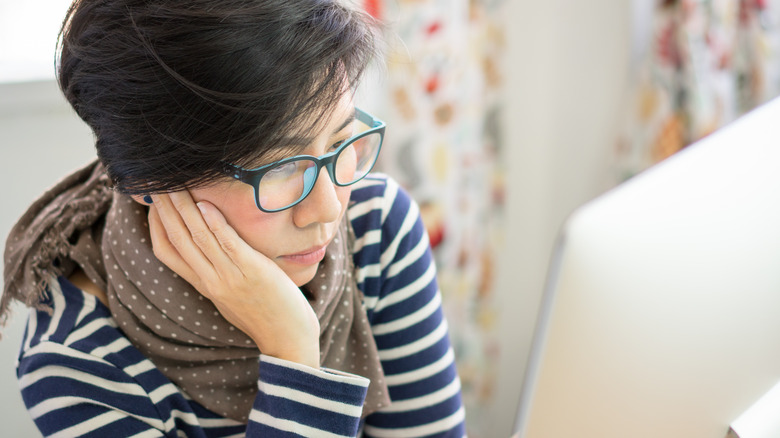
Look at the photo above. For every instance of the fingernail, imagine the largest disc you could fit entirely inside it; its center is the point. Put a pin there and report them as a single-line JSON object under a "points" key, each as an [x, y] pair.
{"points": [[148, 199], [201, 208]]}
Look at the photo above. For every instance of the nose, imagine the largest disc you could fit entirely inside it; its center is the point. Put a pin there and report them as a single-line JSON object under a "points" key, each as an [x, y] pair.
{"points": [[323, 205]]}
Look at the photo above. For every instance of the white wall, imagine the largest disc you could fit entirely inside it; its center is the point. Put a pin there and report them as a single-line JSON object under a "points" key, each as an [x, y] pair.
{"points": [[568, 64], [28, 34], [567, 60], [41, 140]]}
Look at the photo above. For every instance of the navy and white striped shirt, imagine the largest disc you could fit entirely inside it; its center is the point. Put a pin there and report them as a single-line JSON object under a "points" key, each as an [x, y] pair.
{"points": [[80, 376]]}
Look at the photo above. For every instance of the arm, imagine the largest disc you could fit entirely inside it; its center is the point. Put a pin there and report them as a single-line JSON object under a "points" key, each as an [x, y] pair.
{"points": [[404, 307], [255, 295], [304, 400], [89, 381], [197, 243], [70, 393]]}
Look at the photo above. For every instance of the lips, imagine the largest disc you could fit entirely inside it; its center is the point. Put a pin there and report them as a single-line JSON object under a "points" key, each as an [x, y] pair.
{"points": [[310, 256]]}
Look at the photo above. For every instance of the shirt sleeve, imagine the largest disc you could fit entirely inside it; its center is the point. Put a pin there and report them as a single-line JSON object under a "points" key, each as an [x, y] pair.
{"points": [[80, 377], [297, 399], [403, 302], [70, 393]]}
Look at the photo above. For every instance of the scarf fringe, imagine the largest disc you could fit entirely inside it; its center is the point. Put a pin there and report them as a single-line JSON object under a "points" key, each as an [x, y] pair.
{"points": [[44, 239], [71, 226]]}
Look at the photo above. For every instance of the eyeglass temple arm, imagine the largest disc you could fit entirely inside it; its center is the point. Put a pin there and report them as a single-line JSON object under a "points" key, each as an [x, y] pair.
{"points": [[367, 118], [233, 170]]}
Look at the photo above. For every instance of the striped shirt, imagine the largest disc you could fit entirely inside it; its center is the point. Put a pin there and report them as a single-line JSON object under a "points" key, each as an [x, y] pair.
{"points": [[80, 376]]}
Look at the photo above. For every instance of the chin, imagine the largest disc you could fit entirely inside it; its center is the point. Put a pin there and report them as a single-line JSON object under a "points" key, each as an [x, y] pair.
{"points": [[304, 275]]}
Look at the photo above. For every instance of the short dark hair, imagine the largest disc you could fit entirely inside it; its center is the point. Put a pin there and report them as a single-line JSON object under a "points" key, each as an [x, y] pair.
{"points": [[174, 88]]}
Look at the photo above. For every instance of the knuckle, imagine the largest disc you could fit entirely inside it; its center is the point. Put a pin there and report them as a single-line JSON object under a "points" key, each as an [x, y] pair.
{"points": [[216, 229], [177, 202], [158, 253], [227, 244], [176, 238], [234, 284], [207, 288], [161, 255], [200, 237]]}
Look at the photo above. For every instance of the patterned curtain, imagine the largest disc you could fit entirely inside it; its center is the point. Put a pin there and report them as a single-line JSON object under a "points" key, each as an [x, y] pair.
{"points": [[709, 62], [441, 95]]}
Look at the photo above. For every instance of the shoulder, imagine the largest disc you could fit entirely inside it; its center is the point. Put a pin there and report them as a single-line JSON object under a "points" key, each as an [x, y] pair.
{"points": [[69, 312], [78, 331], [81, 281], [378, 202], [75, 350], [375, 192], [391, 249]]}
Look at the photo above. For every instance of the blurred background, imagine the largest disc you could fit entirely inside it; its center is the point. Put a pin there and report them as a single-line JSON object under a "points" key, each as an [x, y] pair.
{"points": [[503, 117]]}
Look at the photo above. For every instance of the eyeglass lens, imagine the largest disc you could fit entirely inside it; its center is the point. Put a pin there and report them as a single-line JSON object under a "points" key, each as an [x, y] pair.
{"points": [[288, 183]]}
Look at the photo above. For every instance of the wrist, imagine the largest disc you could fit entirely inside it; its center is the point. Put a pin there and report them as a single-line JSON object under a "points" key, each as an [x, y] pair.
{"points": [[309, 356]]}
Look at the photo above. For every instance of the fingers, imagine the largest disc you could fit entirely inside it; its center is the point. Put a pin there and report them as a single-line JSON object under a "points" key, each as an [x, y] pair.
{"points": [[187, 232], [248, 289], [167, 253], [231, 243]]}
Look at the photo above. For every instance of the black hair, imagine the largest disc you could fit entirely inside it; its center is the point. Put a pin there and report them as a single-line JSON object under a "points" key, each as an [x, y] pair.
{"points": [[172, 89]]}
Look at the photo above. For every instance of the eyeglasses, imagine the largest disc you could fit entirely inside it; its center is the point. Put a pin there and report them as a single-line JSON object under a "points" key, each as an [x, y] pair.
{"points": [[284, 183]]}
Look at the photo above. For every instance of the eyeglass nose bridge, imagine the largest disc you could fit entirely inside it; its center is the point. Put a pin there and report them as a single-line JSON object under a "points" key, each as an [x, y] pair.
{"points": [[327, 161]]}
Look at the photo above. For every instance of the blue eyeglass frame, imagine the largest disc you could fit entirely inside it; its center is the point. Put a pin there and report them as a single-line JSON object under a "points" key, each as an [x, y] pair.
{"points": [[253, 176]]}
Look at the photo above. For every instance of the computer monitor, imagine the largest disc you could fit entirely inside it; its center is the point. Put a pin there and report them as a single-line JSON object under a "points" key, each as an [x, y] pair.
{"points": [[661, 314]]}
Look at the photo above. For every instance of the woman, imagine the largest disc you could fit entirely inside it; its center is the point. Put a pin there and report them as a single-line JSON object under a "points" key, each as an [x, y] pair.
{"points": [[227, 266]]}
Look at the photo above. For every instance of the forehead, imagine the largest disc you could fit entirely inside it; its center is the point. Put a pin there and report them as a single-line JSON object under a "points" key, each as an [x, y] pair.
{"points": [[312, 129], [323, 123], [329, 121]]}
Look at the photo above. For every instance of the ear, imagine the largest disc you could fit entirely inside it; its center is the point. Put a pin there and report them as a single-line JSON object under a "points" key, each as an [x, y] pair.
{"points": [[142, 199]]}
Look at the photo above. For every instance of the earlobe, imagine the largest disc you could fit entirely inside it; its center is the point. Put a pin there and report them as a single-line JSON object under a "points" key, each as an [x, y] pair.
{"points": [[142, 199]]}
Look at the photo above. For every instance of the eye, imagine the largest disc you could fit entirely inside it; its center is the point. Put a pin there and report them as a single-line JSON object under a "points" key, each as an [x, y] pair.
{"points": [[338, 144], [347, 133], [282, 170]]}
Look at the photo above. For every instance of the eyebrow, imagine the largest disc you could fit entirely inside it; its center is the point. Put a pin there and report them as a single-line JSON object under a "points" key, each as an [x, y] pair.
{"points": [[348, 121], [300, 140]]}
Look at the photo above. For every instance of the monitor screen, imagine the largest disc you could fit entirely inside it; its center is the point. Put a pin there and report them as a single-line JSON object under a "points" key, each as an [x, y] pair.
{"points": [[661, 314]]}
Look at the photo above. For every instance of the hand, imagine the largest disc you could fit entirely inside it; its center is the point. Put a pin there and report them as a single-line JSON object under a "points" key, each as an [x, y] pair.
{"points": [[248, 288]]}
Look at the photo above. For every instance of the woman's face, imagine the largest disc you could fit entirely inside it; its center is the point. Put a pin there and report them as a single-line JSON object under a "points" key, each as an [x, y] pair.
{"points": [[295, 239]]}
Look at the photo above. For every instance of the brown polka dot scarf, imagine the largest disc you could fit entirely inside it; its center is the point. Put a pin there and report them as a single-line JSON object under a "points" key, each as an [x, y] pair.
{"points": [[82, 222]]}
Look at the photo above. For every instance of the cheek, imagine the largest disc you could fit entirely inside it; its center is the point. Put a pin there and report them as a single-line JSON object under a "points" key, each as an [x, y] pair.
{"points": [[230, 198], [237, 205]]}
